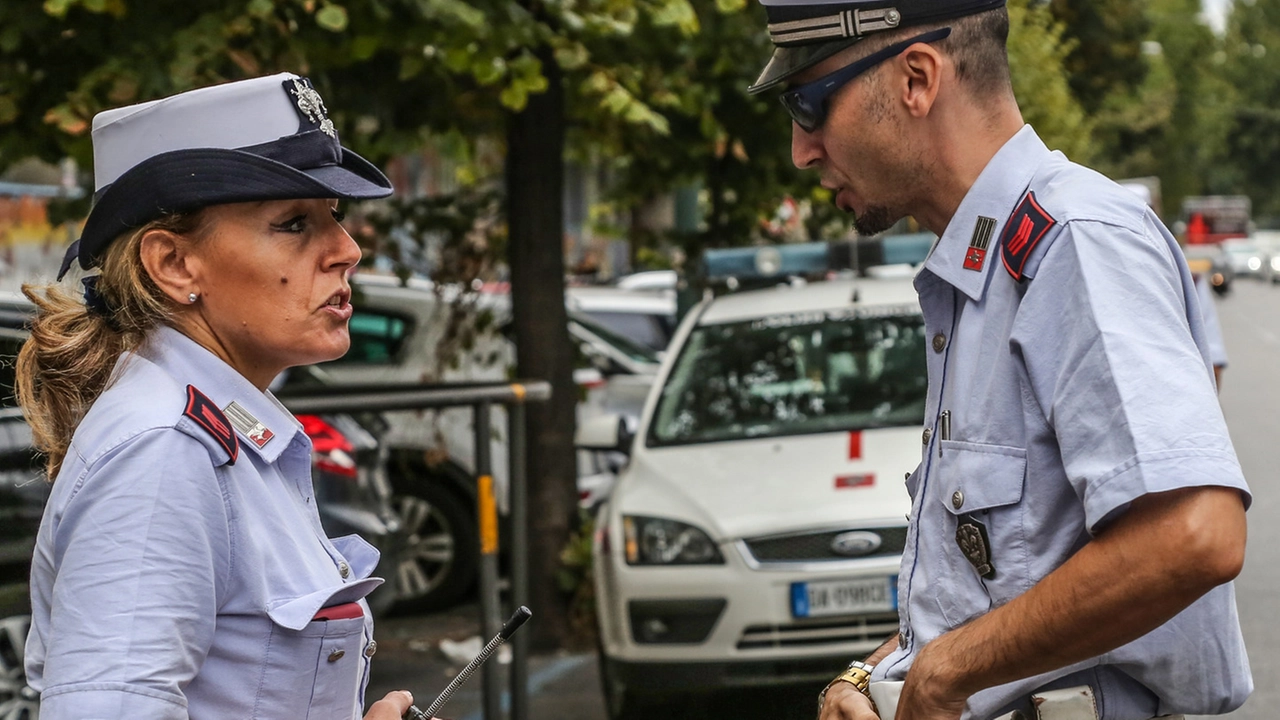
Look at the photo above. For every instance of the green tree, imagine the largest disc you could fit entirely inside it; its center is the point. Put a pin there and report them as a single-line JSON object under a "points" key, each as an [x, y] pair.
{"points": [[1038, 53], [1248, 63]]}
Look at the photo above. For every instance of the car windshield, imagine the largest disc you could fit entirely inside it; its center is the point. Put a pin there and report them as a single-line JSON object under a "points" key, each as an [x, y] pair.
{"points": [[795, 375], [626, 346], [652, 330]]}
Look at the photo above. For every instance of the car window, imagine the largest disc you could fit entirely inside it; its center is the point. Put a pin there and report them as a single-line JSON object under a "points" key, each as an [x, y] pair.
{"points": [[376, 338], [651, 330], [629, 348], [794, 375]]}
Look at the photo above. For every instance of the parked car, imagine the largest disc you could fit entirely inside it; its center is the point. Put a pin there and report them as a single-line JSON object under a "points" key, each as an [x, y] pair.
{"points": [[645, 316], [754, 537], [348, 474], [398, 330]]}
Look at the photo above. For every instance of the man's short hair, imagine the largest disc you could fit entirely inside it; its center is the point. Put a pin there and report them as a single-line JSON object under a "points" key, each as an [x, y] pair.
{"points": [[977, 45]]}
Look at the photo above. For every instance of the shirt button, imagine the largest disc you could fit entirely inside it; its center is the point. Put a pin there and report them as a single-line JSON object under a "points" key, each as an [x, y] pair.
{"points": [[928, 433], [939, 342], [336, 655], [902, 641], [371, 648], [957, 499], [344, 569]]}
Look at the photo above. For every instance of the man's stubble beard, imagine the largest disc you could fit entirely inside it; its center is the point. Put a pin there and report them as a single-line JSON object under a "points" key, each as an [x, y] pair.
{"points": [[875, 220]]}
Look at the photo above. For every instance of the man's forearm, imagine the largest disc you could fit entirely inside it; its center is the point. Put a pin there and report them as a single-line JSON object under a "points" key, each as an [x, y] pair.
{"points": [[883, 651], [1162, 555]]}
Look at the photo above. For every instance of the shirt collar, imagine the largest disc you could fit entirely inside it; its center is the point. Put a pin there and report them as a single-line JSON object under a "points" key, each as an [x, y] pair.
{"points": [[994, 195], [190, 363]]}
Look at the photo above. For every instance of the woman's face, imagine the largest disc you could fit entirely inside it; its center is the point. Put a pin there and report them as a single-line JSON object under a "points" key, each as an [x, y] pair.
{"points": [[272, 284]]}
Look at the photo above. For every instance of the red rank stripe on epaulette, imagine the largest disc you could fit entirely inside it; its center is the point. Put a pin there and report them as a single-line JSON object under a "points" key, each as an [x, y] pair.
{"points": [[207, 415], [1026, 227]]}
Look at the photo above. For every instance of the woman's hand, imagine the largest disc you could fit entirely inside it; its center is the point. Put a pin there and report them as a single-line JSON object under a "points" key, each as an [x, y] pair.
{"points": [[844, 702], [391, 707]]}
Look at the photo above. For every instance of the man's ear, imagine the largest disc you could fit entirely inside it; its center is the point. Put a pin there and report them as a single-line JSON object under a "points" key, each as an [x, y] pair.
{"points": [[921, 67], [168, 260]]}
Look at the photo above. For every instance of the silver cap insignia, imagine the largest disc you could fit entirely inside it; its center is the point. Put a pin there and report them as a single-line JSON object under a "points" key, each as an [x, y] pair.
{"points": [[311, 105]]}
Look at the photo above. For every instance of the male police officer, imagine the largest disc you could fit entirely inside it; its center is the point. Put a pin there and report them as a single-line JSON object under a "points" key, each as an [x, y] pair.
{"points": [[1075, 524]]}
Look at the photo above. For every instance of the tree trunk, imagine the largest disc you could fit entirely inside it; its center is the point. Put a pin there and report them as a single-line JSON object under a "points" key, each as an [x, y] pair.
{"points": [[535, 215]]}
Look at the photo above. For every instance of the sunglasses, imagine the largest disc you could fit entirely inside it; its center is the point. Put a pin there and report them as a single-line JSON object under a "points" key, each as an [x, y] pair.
{"points": [[807, 104]]}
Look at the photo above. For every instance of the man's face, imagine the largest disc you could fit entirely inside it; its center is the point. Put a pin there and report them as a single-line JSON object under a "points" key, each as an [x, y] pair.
{"points": [[861, 150]]}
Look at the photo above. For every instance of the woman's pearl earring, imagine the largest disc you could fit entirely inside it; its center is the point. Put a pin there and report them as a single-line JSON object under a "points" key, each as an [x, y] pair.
{"points": [[192, 297]]}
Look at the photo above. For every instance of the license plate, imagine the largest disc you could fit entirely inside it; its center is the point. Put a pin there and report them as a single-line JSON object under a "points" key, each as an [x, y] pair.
{"points": [[844, 597]]}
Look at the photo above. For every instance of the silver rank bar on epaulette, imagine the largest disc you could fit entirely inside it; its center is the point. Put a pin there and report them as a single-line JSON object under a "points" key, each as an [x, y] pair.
{"points": [[849, 23], [247, 424]]}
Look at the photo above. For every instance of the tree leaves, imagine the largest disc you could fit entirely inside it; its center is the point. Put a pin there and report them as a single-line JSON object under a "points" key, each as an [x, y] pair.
{"points": [[332, 17]]}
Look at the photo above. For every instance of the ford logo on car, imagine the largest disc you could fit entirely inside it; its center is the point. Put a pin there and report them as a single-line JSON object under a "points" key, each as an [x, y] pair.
{"points": [[856, 543]]}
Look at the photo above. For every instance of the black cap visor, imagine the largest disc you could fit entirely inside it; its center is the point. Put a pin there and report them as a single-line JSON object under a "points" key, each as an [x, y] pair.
{"points": [[187, 180], [792, 59]]}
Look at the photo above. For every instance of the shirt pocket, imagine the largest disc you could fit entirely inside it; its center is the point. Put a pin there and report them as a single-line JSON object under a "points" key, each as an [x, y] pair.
{"points": [[981, 488], [314, 668]]}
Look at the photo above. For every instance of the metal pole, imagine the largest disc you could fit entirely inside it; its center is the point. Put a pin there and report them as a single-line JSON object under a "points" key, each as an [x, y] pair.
{"points": [[487, 506], [519, 557]]}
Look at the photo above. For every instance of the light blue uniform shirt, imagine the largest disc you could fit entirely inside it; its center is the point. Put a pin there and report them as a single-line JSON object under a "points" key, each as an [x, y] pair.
{"points": [[1071, 393], [170, 582]]}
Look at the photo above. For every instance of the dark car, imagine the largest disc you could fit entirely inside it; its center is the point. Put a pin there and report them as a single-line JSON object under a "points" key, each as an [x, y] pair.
{"points": [[348, 471]]}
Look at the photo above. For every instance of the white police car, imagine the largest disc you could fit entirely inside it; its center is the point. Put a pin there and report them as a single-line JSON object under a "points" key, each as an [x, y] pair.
{"points": [[754, 537]]}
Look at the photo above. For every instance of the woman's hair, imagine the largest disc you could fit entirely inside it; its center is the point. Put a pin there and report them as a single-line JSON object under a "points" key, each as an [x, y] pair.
{"points": [[67, 361]]}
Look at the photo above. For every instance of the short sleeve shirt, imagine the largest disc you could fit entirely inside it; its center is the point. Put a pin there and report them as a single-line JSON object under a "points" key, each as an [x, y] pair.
{"points": [[180, 565], [1068, 376]]}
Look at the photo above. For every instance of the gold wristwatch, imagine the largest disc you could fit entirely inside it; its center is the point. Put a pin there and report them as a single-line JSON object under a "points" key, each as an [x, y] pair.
{"points": [[858, 674]]}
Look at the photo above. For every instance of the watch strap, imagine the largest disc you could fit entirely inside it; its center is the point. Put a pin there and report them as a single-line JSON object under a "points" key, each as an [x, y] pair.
{"points": [[858, 674]]}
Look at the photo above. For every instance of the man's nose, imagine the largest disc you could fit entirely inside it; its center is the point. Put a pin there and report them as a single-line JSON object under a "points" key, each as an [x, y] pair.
{"points": [[806, 147]]}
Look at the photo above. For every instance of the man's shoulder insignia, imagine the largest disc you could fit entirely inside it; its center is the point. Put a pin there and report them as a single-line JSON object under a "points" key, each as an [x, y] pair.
{"points": [[204, 413], [1025, 228]]}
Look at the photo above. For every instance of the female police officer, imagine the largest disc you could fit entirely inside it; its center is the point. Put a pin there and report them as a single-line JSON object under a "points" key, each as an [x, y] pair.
{"points": [[180, 569]]}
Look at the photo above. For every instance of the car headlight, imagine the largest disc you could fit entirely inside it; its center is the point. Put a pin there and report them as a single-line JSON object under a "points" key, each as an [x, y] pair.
{"points": [[658, 541], [1255, 263], [1275, 263]]}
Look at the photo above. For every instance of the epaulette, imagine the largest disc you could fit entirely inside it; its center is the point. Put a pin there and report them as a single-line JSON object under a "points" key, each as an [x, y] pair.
{"points": [[1026, 227], [205, 414]]}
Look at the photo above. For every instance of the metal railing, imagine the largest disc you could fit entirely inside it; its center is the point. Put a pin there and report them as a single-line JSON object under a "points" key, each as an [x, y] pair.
{"points": [[480, 397]]}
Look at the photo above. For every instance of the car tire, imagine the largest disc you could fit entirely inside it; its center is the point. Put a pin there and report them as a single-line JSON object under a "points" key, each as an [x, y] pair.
{"points": [[17, 700], [437, 563]]}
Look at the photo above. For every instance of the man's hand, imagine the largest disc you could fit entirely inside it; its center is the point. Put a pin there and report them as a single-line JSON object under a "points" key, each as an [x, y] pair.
{"points": [[928, 693], [844, 702]]}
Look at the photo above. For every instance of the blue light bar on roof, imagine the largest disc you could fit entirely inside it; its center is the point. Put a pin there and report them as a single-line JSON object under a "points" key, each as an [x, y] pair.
{"points": [[911, 249], [768, 261], [776, 262]]}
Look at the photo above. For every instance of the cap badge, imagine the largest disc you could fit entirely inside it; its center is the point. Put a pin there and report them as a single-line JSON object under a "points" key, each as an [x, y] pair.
{"points": [[248, 425], [312, 106], [978, 245]]}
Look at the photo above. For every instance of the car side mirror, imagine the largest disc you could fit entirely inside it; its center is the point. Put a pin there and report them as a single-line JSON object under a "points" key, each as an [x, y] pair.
{"points": [[604, 432]]}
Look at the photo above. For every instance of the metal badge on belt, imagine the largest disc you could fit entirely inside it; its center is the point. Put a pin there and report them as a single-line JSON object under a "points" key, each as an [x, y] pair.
{"points": [[971, 536]]}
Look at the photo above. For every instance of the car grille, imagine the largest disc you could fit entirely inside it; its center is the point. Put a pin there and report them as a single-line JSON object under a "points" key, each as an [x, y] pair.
{"points": [[816, 546], [874, 628]]}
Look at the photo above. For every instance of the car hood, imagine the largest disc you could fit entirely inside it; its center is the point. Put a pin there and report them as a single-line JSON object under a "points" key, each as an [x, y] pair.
{"points": [[750, 488]]}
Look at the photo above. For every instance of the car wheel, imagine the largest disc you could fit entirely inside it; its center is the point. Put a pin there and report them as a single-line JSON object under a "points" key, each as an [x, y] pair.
{"points": [[17, 700], [437, 565]]}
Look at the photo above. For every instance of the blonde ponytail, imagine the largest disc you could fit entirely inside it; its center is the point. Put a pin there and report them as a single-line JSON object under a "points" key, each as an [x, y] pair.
{"points": [[67, 361]]}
